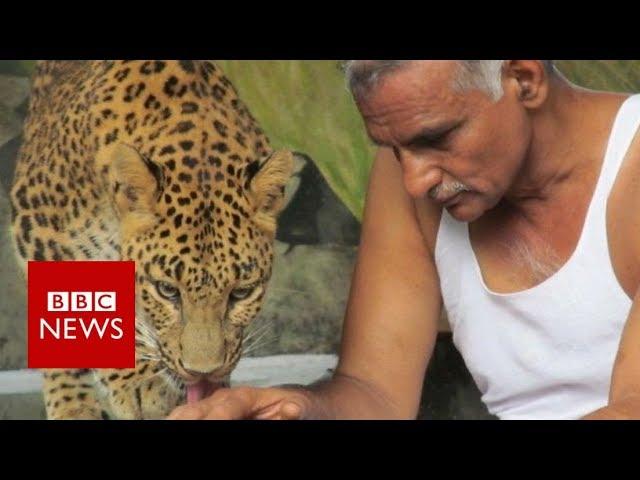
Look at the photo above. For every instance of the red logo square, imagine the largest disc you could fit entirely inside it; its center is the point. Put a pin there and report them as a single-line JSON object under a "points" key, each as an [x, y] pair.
{"points": [[81, 314]]}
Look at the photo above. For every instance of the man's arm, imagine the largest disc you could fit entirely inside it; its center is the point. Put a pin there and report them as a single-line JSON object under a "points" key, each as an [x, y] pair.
{"points": [[394, 304], [624, 395]]}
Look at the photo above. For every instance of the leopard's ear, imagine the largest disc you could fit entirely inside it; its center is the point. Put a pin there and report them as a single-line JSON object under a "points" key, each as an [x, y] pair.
{"points": [[265, 183], [135, 183]]}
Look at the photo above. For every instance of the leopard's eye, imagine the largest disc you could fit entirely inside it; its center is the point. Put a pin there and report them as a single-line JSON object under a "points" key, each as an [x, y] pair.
{"points": [[241, 293], [168, 291]]}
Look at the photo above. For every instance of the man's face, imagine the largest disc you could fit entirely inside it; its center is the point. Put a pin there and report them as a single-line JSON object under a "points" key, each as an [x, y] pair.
{"points": [[460, 149]]}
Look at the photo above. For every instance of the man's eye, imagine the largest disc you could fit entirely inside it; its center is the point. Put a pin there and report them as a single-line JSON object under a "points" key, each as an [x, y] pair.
{"points": [[168, 291], [431, 142], [396, 152], [241, 293]]}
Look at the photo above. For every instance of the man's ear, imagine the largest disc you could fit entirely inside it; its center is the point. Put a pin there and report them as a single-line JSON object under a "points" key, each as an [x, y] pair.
{"points": [[529, 79], [265, 183], [135, 183]]}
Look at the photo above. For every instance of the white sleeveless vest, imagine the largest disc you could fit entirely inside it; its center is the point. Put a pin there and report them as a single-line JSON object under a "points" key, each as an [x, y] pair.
{"points": [[546, 352]]}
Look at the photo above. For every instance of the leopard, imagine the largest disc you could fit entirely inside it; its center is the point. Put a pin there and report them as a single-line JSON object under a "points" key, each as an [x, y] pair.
{"points": [[161, 163]]}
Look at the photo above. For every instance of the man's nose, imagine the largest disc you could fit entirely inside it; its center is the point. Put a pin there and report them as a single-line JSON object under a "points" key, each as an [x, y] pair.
{"points": [[419, 174]]}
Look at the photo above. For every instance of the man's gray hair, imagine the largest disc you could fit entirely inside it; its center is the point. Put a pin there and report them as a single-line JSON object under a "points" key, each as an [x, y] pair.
{"points": [[484, 75]]}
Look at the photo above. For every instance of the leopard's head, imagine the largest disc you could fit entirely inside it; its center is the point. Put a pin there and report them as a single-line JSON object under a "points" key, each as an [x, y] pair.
{"points": [[202, 240]]}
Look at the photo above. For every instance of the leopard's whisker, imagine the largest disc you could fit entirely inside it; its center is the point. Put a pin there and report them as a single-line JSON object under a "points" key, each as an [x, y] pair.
{"points": [[257, 330], [257, 344], [259, 337]]}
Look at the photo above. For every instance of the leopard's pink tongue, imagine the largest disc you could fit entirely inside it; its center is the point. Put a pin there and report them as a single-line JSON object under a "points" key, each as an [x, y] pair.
{"points": [[200, 390], [197, 391]]}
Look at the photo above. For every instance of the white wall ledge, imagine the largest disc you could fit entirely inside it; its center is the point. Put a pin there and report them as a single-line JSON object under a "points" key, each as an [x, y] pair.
{"points": [[256, 371]]}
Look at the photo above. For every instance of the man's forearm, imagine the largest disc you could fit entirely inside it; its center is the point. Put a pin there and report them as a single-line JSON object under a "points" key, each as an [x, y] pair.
{"points": [[343, 397]]}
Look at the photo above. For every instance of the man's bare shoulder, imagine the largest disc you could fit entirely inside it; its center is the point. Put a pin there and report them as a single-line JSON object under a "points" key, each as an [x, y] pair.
{"points": [[428, 215], [623, 227], [387, 173]]}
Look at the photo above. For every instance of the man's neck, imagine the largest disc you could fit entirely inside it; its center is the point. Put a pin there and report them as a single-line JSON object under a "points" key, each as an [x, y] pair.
{"points": [[569, 135]]}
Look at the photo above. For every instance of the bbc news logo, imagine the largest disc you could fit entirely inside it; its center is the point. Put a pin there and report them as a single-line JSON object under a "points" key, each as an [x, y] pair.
{"points": [[80, 302], [81, 314]]}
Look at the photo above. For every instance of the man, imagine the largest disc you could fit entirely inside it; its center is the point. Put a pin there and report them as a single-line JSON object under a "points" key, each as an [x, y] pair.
{"points": [[512, 195]]}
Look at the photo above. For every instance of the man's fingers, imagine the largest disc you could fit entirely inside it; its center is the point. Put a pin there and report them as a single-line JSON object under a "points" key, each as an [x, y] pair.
{"points": [[243, 403], [186, 412], [234, 407], [291, 411], [223, 405]]}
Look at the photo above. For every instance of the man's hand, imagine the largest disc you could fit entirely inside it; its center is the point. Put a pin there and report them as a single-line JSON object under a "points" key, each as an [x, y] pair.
{"points": [[249, 403]]}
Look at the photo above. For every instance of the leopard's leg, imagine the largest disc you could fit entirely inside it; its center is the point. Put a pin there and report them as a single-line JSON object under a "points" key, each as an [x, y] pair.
{"points": [[70, 395], [144, 392], [160, 395]]}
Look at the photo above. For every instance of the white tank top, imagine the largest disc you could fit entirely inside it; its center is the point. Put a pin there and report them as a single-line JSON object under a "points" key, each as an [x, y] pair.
{"points": [[546, 352]]}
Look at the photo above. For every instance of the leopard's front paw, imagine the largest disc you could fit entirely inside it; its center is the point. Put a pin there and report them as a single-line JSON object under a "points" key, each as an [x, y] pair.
{"points": [[75, 412]]}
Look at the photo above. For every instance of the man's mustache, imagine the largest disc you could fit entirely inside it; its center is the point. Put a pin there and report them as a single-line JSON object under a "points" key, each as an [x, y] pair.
{"points": [[447, 190]]}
